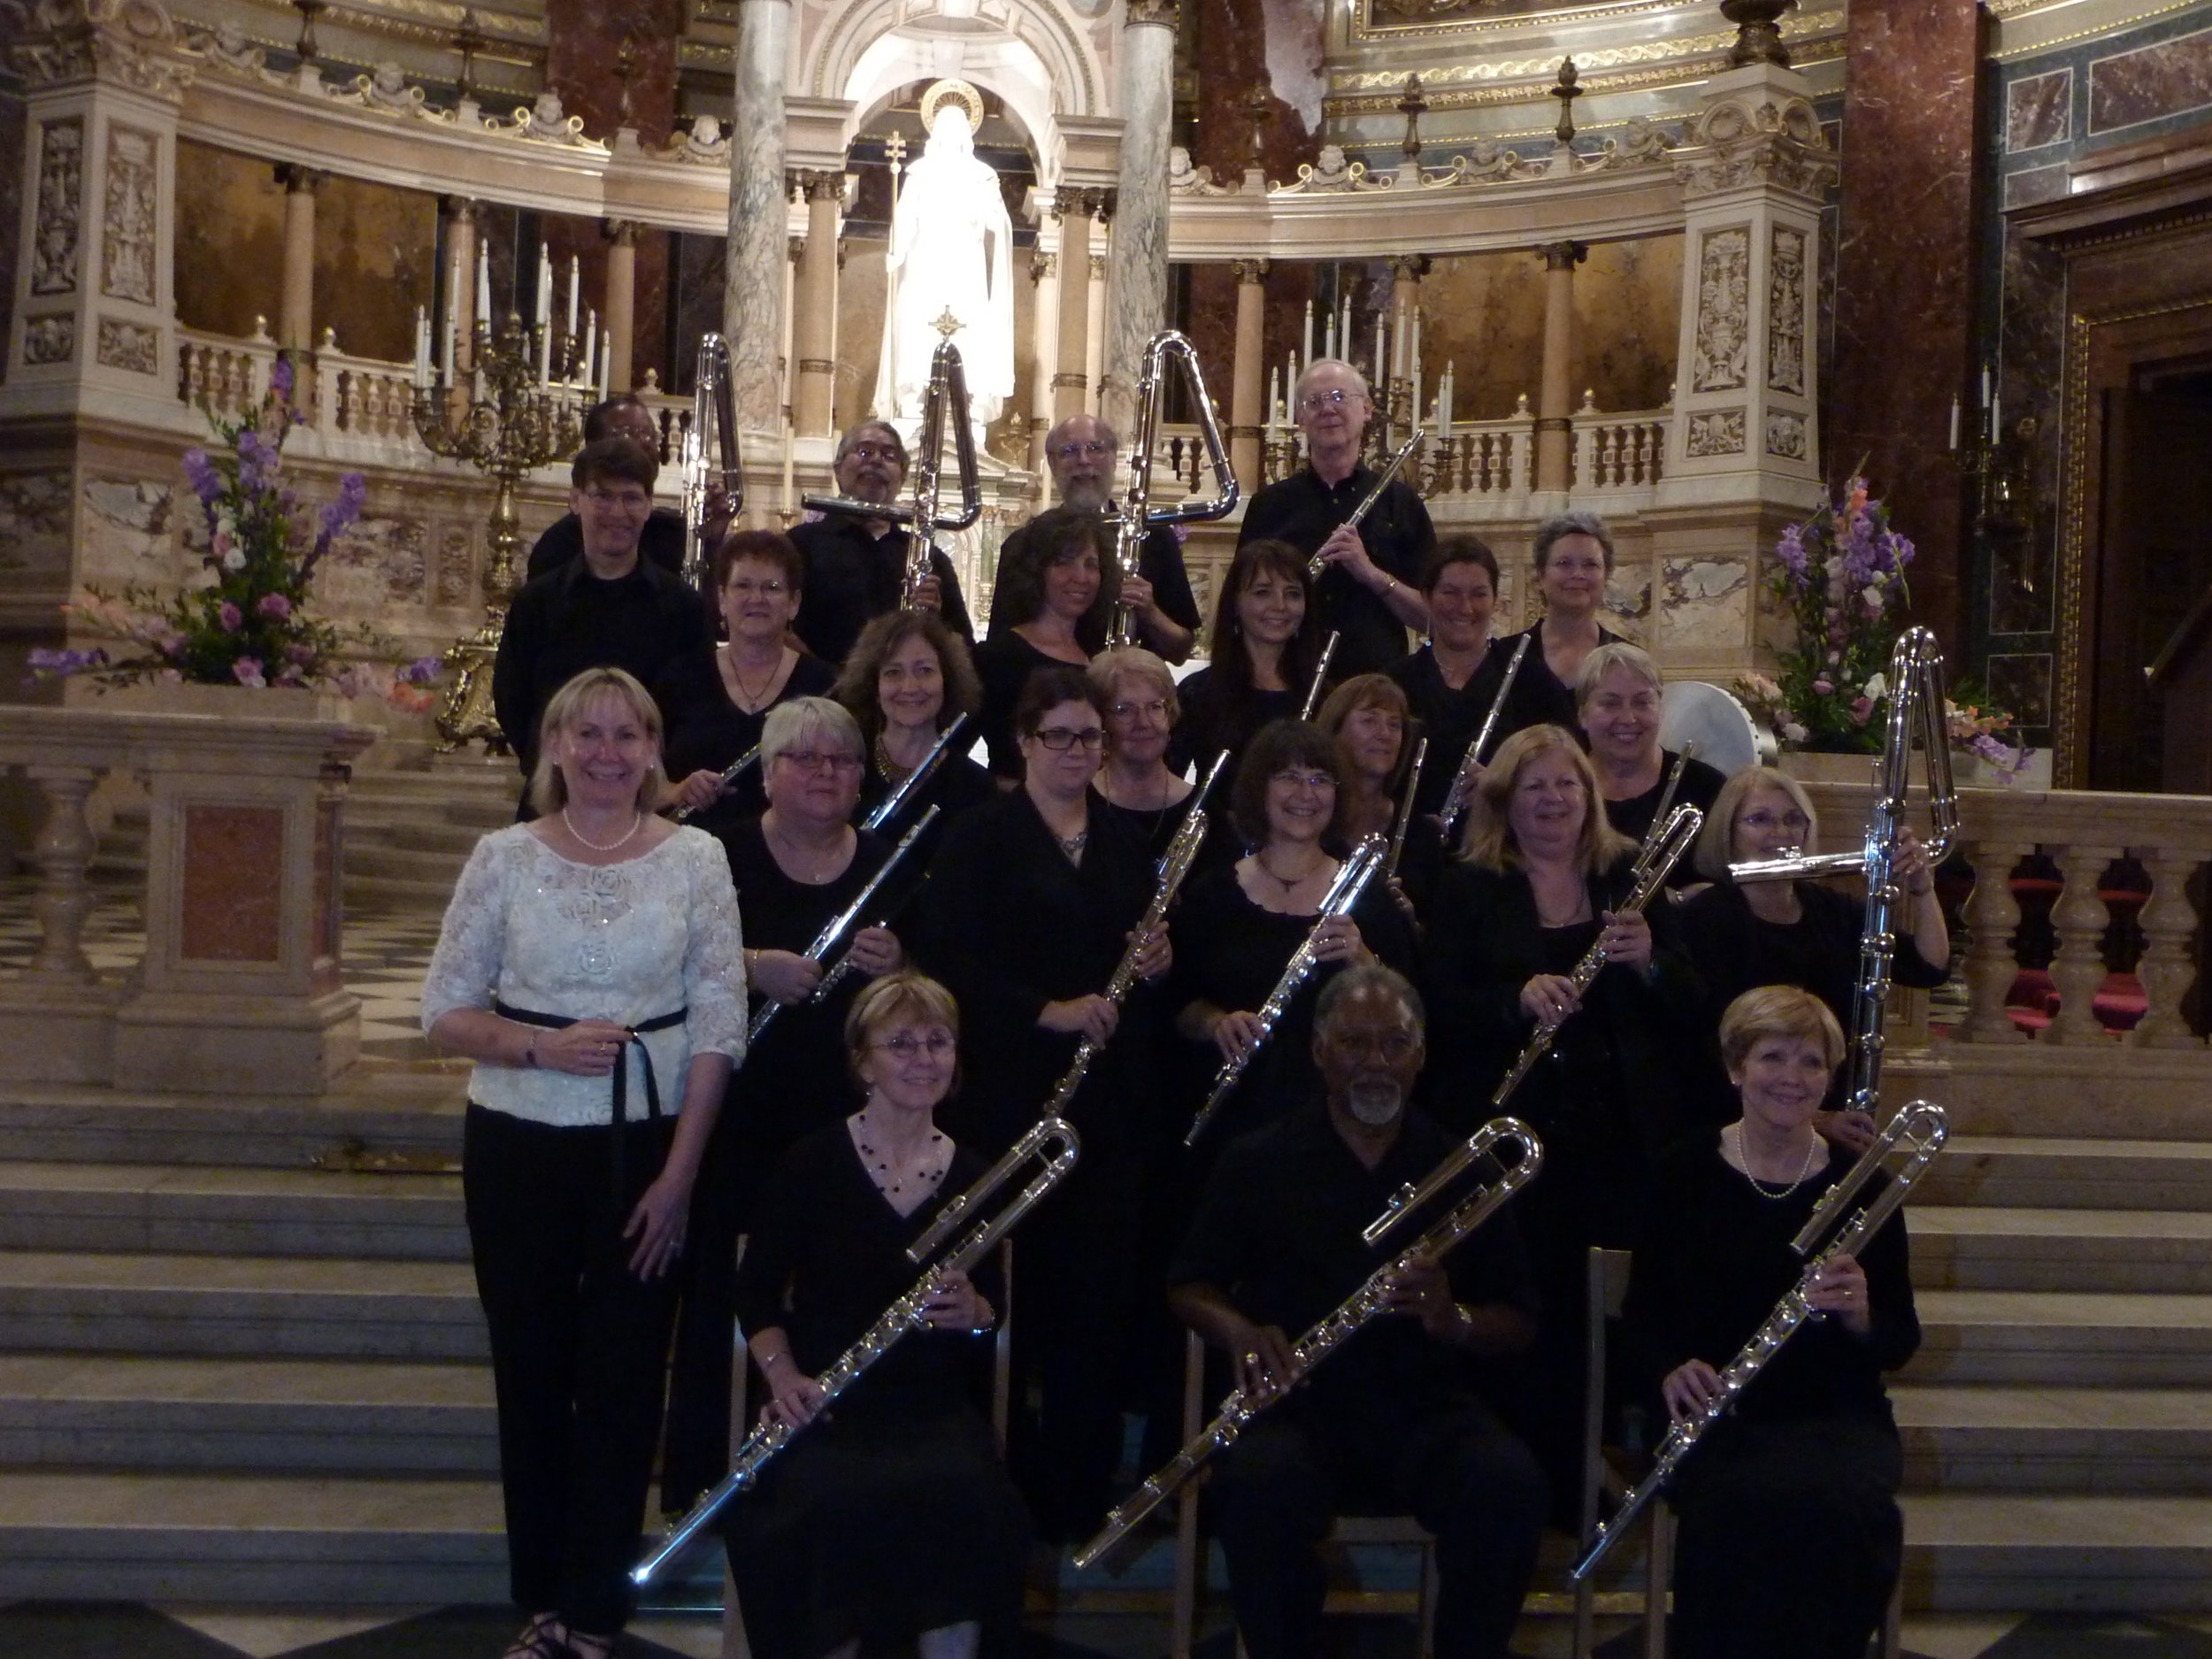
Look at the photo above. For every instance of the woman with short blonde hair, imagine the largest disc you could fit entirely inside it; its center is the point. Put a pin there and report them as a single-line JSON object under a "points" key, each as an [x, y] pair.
{"points": [[1136, 692]]}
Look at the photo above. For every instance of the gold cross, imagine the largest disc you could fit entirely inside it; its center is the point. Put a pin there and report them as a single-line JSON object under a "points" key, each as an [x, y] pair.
{"points": [[894, 150], [948, 326]]}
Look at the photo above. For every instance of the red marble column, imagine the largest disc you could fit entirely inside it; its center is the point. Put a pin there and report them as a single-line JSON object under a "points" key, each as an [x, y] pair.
{"points": [[1911, 124]]}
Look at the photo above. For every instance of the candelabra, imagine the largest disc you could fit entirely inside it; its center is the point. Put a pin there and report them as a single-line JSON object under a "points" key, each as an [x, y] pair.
{"points": [[506, 418]]}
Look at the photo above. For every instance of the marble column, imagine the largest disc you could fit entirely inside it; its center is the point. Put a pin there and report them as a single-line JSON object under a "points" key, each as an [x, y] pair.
{"points": [[94, 322], [814, 318], [1247, 373], [1070, 384], [1555, 403], [1914, 96], [755, 266], [1095, 331], [460, 213], [1139, 286], [1044, 270], [296, 321], [621, 320]]}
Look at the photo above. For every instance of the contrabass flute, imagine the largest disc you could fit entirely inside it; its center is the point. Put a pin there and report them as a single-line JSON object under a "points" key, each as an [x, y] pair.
{"points": [[1462, 789], [1316, 564], [1175, 864], [1350, 881], [1053, 1144], [842, 925], [1919, 1128], [890, 806], [1372, 1298]]}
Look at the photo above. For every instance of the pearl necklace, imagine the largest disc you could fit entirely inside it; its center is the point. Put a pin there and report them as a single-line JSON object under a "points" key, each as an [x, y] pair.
{"points": [[1763, 1190], [637, 823]]}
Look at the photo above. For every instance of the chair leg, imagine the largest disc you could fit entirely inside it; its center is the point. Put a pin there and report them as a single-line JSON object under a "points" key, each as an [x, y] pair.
{"points": [[1658, 1558], [734, 1646], [1893, 1620], [1427, 1613]]}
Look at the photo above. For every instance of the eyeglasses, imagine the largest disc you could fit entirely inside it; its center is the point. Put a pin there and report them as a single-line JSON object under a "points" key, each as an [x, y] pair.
{"points": [[1156, 708], [1060, 737], [814, 760], [876, 452], [629, 500], [1765, 821], [937, 1045], [1394, 1045], [1303, 780], [1314, 402], [1078, 451], [745, 587]]}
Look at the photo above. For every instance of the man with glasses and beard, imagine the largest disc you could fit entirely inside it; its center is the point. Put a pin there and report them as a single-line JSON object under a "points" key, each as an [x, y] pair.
{"points": [[856, 566], [1393, 1424], [1084, 456]]}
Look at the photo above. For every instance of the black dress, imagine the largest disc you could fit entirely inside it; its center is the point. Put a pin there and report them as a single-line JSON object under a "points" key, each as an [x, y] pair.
{"points": [[706, 731], [1537, 669], [1449, 719], [793, 1081], [1700, 787], [892, 1515], [1213, 720], [958, 785], [1004, 663], [1790, 1535]]}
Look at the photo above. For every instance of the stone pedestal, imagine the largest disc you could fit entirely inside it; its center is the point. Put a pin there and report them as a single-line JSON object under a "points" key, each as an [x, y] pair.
{"points": [[1752, 178], [240, 991], [95, 328]]}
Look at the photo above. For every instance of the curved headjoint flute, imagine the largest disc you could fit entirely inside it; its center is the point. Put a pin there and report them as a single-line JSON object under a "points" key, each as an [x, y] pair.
{"points": [[890, 806], [1463, 790], [1662, 826], [1320, 673], [1136, 515], [731, 773], [1316, 564], [709, 452], [1051, 1144], [844, 923]]}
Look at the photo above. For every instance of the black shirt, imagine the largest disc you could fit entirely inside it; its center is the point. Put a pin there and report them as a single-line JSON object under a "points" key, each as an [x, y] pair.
{"points": [[662, 541], [1212, 720], [852, 578], [1003, 663], [706, 731], [1278, 1233], [1160, 562], [562, 624], [1449, 719], [1700, 787], [1302, 510], [1538, 667]]}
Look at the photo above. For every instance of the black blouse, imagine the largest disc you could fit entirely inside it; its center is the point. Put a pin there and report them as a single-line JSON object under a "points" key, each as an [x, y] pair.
{"points": [[1700, 787], [706, 731], [1004, 663], [1399, 536], [1212, 721], [1449, 719]]}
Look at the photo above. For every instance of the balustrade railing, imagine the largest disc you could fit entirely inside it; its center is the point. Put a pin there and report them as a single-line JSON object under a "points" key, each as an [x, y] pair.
{"points": [[1495, 460]]}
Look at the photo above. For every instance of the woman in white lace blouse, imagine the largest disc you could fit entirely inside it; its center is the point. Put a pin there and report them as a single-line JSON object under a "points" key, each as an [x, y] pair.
{"points": [[591, 966]]}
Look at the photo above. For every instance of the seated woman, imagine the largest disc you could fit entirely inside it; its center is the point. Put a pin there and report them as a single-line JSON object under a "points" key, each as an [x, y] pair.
{"points": [[1054, 590], [1790, 1535], [1138, 692], [1266, 641], [715, 700], [1241, 924], [909, 677], [1799, 932], [1617, 705], [891, 1518]]}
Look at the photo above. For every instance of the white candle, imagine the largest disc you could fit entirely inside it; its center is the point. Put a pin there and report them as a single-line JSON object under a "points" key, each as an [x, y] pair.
{"points": [[445, 349], [422, 348], [544, 312], [1954, 424], [1996, 418], [788, 501], [1309, 338], [606, 361], [1444, 397], [1343, 328], [483, 287], [1984, 385], [1413, 352], [572, 286], [587, 358], [1382, 351]]}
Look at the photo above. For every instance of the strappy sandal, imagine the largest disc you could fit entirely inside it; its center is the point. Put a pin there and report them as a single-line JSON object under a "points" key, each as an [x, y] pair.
{"points": [[541, 1638]]}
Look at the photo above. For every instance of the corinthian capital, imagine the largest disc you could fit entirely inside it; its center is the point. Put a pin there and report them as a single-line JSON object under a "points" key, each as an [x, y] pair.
{"points": [[1761, 133], [131, 43]]}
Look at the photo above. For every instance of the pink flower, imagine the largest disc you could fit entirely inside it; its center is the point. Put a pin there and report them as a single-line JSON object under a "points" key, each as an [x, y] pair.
{"points": [[276, 607], [1824, 686], [248, 669], [1861, 708], [230, 616]]}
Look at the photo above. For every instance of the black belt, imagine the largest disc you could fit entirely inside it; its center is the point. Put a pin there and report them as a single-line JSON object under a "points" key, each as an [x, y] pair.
{"points": [[621, 1076]]}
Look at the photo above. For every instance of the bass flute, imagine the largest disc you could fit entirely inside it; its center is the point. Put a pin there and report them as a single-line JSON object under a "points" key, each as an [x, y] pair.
{"points": [[1371, 1299], [840, 926], [1053, 1145], [1350, 881], [1919, 1128]]}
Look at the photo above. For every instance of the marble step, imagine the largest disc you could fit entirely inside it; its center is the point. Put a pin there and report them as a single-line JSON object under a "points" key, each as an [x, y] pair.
{"points": [[1968, 1551], [2063, 1339], [2096, 1091], [233, 1211], [2079, 1440], [2035, 1171], [1979, 1248], [291, 1416], [415, 1110], [250, 1537], [261, 1306]]}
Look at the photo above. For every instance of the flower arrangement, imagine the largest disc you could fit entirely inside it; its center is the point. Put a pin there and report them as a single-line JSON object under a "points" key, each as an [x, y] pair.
{"points": [[245, 621], [1842, 574], [1981, 728]]}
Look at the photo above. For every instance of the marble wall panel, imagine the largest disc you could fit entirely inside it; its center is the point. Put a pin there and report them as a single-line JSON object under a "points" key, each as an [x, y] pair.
{"points": [[2035, 184], [2039, 110], [228, 906], [380, 562], [130, 529], [130, 213], [649, 346], [1628, 304], [11, 159], [860, 303], [2170, 78], [229, 240], [375, 260], [34, 515], [692, 301], [1705, 606], [1485, 317], [1236, 45]]}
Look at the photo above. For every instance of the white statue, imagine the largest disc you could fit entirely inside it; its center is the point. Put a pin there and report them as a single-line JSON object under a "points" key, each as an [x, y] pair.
{"points": [[950, 257]]}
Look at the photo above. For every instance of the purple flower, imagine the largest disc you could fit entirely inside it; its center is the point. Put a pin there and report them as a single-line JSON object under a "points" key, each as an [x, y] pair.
{"points": [[64, 663], [207, 483], [421, 672], [276, 607], [251, 454], [281, 379], [299, 651], [230, 616], [248, 670], [1824, 686], [1792, 549]]}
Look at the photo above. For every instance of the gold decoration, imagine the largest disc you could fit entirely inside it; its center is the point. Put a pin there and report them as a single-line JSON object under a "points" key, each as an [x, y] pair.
{"points": [[960, 92]]}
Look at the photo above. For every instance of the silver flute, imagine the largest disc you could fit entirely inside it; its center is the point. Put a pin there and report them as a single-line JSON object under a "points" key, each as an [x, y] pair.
{"points": [[731, 773], [889, 807], [1462, 789], [1316, 564]]}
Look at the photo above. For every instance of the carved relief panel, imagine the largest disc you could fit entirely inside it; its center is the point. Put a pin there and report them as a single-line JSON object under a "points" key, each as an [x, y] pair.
{"points": [[129, 203], [60, 207], [1786, 310], [1722, 361]]}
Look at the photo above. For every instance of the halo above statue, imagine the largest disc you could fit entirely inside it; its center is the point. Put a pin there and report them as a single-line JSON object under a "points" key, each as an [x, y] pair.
{"points": [[943, 92]]}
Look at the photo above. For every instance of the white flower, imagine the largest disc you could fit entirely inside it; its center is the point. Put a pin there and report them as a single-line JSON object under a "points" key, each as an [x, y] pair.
{"points": [[1872, 594], [235, 560], [1876, 689], [1792, 732], [225, 523]]}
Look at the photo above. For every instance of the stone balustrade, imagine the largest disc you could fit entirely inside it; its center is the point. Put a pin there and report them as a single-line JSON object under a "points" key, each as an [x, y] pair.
{"points": [[1492, 463], [239, 992]]}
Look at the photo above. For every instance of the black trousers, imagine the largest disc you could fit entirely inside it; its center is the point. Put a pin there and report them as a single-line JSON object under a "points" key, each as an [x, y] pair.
{"points": [[1458, 1471], [696, 1449], [1790, 1539], [579, 1348]]}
